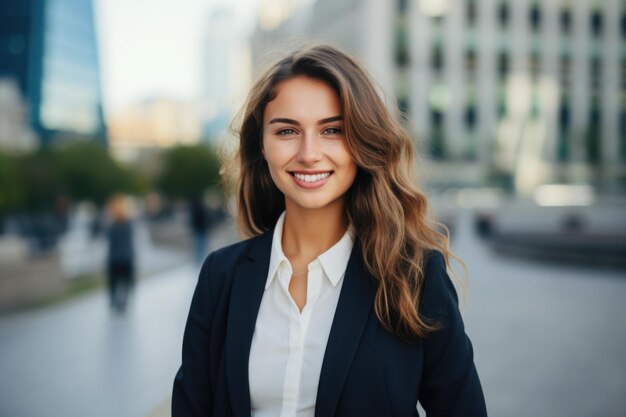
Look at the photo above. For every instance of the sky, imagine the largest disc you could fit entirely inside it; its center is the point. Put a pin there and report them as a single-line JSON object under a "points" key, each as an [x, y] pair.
{"points": [[152, 48]]}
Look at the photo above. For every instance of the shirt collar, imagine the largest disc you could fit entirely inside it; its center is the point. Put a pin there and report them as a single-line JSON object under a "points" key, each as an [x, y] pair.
{"points": [[334, 261], [277, 255]]}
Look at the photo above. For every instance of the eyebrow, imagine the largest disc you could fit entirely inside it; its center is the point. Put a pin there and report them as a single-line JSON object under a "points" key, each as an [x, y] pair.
{"points": [[295, 122]]}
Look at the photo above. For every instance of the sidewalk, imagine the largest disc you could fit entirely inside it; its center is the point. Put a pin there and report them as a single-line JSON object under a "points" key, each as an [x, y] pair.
{"points": [[163, 411], [77, 358], [222, 236], [27, 279]]}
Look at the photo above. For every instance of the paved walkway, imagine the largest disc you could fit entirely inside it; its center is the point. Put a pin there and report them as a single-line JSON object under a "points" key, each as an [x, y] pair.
{"points": [[79, 359]]}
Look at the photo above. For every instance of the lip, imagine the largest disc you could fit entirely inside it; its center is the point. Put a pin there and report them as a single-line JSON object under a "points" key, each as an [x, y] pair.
{"points": [[310, 185]]}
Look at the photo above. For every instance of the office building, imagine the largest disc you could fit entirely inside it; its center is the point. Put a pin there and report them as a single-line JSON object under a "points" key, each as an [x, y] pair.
{"points": [[536, 86], [49, 48], [226, 69], [365, 28]]}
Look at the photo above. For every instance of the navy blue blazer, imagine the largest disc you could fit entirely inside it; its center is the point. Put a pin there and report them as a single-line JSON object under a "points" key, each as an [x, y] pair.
{"points": [[366, 371]]}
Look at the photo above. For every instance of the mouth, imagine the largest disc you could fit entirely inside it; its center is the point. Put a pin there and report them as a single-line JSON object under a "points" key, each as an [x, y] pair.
{"points": [[310, 179]]}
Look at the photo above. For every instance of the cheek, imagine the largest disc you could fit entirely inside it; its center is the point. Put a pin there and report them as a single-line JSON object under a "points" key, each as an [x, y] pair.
{"points": [[344, 157], [276, 158], [269, 152]]}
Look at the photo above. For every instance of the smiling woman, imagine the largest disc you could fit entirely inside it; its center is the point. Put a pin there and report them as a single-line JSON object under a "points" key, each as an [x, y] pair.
{"points": [[305, 147], [340, 303]]}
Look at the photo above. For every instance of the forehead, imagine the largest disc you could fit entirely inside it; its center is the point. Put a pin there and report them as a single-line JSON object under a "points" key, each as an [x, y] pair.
{"points": [[303, 98]]}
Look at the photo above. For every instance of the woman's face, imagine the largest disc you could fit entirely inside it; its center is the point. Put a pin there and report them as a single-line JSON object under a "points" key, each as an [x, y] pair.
{"points": [[305, 146]]}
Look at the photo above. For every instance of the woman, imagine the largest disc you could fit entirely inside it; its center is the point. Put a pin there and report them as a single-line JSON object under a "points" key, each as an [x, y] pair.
{"points": [[121, 254], [340, 304]]}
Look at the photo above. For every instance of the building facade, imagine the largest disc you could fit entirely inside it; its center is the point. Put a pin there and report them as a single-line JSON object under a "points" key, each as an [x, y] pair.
{"points": [[365, 28], [536, 87], [526, 90], [49, 48], [142, 128], [226, 69]]}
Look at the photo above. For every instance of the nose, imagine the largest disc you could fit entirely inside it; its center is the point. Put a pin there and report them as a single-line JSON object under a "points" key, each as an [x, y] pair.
{"points": [[309, 150]]}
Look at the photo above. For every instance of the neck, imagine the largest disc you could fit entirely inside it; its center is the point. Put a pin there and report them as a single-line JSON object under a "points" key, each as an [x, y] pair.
{"points": [[307, 233]]}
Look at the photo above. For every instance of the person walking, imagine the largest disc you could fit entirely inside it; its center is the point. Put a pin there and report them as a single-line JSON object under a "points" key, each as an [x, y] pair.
{"points": [[121, 254], [200, 221]]}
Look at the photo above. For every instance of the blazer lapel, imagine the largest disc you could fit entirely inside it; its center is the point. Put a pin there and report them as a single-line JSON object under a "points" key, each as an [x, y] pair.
{"points": [[247, 291], [353, 309]]}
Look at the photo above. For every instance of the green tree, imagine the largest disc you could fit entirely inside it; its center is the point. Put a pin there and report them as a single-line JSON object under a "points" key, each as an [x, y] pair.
{"points": [[41, 181], [188, 170], [12, 190], [87, 172]]}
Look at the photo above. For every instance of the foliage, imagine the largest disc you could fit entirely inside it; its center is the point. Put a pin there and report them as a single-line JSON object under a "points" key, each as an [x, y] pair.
{"points": [[41, 180], [12, 194], [79, 171], [188, 170], [87, 172], [36, 182]]}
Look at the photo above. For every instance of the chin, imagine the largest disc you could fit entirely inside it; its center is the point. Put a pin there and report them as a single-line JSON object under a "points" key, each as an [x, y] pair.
{"points": [[315, 203]]}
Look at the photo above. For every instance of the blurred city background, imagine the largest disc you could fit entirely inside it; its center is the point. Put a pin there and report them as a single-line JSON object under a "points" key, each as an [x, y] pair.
{"points": [[111, 117]]}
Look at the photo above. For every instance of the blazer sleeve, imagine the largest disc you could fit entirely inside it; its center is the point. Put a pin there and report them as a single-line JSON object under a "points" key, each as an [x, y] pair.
{"points": [[450, 386], [192, 393]]}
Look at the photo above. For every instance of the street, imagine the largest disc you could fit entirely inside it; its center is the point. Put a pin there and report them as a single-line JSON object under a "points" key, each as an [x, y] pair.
{"points": [[549, 341]]}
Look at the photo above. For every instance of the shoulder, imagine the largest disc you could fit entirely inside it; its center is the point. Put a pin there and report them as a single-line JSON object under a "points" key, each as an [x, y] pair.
{"points": [[230, 254], [220, 264], [438, 295]]}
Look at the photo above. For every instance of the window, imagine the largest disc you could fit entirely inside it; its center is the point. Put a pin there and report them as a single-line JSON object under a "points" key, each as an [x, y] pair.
{"points": [[597, 22], [436, 58], [401, 43], [436, 118], [595, 73], [564, 114], [535, 64], [403, 104], [594, 132], [565, 69], [622, 132], [503, 14], [503, 64], [436, 134], [470, 13], [471, 116], [564, 128], [623, 24], [565, 20], [502, 102], [534, 17], [403, 6], [470, 61]]}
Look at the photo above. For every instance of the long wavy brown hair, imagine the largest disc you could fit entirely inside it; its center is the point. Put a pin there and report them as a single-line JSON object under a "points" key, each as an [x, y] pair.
{"points": [[388, 211]]}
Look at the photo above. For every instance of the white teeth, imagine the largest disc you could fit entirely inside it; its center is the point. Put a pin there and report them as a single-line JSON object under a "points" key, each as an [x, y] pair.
{"points": [[311, 178]]}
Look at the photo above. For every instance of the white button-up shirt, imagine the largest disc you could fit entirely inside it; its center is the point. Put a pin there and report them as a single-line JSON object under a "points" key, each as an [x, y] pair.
{"points": [[288, 345]]}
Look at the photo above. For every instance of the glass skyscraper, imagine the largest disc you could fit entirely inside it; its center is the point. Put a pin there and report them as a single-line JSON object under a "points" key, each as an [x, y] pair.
{"points": [[49, 47]]}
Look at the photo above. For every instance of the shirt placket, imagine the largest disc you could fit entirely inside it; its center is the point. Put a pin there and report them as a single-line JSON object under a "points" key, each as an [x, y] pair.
{"points": [[298, 325]]}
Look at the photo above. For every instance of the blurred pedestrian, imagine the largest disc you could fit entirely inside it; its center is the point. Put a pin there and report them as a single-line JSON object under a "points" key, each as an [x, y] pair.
{"points": [[340, 304], [200, 220], [121, 253]]}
